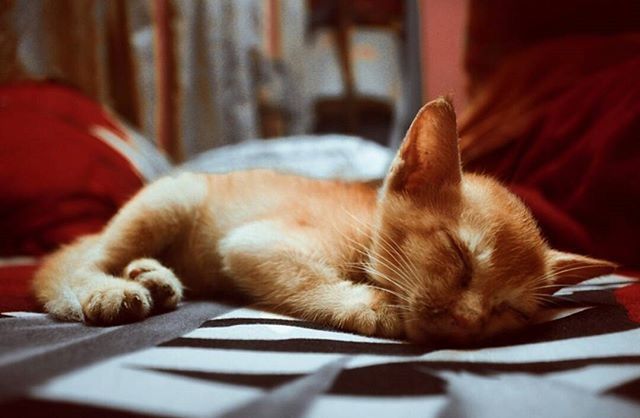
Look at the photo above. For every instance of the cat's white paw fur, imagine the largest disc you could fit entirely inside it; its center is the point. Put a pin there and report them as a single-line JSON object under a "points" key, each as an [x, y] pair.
{"points": [[367, 311], [163, 285], [377, 319], [116, 301]]}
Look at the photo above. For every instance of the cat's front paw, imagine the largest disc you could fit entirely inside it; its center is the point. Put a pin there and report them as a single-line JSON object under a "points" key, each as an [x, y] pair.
{"points": [[117, 302], [390, 323], [164, 286], [376, 318]]}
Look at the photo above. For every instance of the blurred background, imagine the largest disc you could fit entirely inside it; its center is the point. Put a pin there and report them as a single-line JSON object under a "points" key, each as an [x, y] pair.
{"points": [[547, 95], [194, 75]]}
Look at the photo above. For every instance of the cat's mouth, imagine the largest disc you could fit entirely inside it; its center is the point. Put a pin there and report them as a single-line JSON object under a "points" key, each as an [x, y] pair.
{"points": [[445, 329]]}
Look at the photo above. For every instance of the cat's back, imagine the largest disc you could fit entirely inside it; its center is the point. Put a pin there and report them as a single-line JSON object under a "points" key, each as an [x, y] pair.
{"points": [[243, 196]]}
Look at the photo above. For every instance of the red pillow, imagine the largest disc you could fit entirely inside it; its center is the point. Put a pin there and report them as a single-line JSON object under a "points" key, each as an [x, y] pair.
{"points": [[58, 179]]}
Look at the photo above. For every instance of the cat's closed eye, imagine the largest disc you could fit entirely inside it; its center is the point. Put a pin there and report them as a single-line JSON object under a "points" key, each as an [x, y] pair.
{"points": [[466, 274], [519, 313]]}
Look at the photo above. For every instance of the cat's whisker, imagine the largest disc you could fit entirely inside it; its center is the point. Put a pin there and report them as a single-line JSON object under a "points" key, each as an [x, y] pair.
{"points": [[406, 270], [398, 306], [392, 249], [407, 263], [396, 294], [541, 297], [354, 267], [550, 286], [365, 252], [550, 297], [409, 269], [545, 297], [358, 247], [557, 285], [413, 319], [401, 284], [401, 308], [384, 262], [563, 272], [373, 272], [554, 302]]}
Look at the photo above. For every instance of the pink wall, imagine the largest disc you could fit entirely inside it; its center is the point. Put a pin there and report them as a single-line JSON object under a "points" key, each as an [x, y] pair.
{"points": [[443, 30]]}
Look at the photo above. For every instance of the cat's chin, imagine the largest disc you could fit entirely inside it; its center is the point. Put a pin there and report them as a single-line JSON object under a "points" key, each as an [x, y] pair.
{"points": [[452, 336], [445, 340], [459, 338]]}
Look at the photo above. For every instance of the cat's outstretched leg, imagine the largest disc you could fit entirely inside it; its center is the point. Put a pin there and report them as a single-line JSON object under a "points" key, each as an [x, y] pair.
{"points": [[283, 268], [71, 287], [110, 278]]}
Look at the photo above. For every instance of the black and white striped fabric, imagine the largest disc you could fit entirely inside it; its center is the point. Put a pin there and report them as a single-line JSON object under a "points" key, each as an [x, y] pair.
{"points": [[244, 362]]}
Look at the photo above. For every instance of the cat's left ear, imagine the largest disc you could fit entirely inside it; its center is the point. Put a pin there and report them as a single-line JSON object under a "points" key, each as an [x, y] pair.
{"points": [[428, 160], [569, 269]]}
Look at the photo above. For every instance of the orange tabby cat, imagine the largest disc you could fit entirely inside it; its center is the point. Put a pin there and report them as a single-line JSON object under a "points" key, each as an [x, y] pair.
{"points": [[436, 254]]}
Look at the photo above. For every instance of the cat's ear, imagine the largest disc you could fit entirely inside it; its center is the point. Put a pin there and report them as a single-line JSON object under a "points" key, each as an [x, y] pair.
{"points": [[568, 269], [429, 158]]}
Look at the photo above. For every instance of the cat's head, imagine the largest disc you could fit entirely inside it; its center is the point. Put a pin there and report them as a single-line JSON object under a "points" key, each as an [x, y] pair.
{"points": [[463, 255]]}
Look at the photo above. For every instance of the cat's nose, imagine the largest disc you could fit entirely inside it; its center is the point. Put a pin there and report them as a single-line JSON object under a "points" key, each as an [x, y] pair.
{"points": [[467, 313], [465, 321]]}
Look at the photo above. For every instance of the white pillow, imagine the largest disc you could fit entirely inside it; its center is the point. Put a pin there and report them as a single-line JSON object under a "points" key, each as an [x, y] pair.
{"points": [[319, 156]]}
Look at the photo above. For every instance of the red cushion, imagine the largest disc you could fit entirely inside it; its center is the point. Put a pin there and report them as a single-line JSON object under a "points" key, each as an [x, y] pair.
{"points": [[15, 287], [559, 124], [58, 180]]}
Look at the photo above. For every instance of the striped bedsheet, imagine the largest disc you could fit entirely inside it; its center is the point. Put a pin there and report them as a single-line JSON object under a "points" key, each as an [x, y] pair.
{"points": [[242, 362]]}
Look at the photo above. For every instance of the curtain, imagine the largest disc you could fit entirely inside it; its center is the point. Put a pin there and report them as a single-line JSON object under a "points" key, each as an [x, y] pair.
{"points": [[192, 75]]}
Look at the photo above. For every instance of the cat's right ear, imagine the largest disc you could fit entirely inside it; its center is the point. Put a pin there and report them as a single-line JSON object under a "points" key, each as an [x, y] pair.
{"points": [[568, 269], [428, 160]]}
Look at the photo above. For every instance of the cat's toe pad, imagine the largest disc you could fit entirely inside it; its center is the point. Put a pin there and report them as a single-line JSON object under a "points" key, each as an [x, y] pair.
{"points": [[164, 286], [118, 303]]}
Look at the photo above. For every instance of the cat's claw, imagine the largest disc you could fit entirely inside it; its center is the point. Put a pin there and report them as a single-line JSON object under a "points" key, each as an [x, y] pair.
{"points": [[163, 285]]}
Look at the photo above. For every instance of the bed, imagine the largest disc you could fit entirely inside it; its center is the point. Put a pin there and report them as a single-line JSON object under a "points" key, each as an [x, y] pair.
{"points": [[218, 358]]}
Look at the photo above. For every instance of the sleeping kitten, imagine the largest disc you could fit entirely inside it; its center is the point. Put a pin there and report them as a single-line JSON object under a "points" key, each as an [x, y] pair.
{"points": [[436, 254]]}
